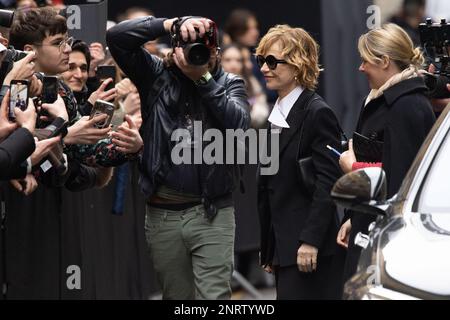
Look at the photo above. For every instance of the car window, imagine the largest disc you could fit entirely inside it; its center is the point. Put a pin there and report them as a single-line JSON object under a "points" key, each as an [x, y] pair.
{"points": [[434, 196]]}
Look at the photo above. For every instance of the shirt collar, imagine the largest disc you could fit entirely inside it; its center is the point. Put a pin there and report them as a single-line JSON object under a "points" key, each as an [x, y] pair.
{"points": [[283, 106]]}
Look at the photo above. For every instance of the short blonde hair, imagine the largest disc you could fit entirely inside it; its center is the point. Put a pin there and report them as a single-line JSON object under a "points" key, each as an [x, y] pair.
{"points": [[299, 49], [392, 41]]}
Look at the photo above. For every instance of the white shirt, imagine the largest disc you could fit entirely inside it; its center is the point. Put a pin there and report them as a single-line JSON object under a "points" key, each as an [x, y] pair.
{"points": [[282, 108]]}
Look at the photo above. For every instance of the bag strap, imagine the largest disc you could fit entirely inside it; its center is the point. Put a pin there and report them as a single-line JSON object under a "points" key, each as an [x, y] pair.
{"points": [[306, 107]]}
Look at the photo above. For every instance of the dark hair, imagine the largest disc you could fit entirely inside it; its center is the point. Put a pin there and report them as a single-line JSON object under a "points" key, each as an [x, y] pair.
{"points": [[82, 47], [236, 24], [33, 26]]}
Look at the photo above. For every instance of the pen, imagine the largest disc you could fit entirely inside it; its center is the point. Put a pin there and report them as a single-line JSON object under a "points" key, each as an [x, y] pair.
{"points": [[334, 150]]}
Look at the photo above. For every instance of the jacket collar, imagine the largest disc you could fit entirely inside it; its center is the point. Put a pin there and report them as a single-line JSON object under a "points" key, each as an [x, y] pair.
{"points": [[404, 87], [295, 119]]}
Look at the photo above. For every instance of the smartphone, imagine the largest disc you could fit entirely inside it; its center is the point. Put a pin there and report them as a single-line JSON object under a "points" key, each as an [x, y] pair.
{"points": [[49, 89], [102, 107], [105, 72], [334, 151], [18, 97]]}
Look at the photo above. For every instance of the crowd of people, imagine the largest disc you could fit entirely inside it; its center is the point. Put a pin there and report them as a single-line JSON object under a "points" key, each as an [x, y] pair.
{"points": [[190, 222]]}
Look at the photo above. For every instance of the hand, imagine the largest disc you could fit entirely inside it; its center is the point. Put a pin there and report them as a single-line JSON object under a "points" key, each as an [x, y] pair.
{"points": [[6, 127], [35, 86], [438, 104], [3, 40], [132, 103], [192, 72], [26, 186], [56, 109], [268, 269], [84, 132], [26, 119], [43, 148], [307, 258], [100, 94], [97, 56], [344, 234], [127, 137], [347, 158], [22, 70], [187, 29], [125, 87]]}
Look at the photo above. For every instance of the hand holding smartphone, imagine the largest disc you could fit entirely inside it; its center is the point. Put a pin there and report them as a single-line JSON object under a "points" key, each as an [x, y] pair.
{"points": [[18, 97], [102, 107]]}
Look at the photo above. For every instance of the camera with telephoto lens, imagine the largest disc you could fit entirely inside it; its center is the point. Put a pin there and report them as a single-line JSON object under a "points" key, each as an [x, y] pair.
{"points": [[198, 51], [435, 39]]}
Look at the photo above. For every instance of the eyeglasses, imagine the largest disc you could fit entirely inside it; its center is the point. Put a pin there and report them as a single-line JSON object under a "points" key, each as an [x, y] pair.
{"points": [[67, 41], [271, 61]]}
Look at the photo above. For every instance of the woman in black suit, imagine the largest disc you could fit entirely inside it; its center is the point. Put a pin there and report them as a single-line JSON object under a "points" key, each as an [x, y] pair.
{"points": [[298, 226], [396, 113]]}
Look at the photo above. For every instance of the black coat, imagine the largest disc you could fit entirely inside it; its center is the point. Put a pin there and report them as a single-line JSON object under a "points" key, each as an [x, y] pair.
{"points": [[14, 151], [288, 216], [401, 118]]}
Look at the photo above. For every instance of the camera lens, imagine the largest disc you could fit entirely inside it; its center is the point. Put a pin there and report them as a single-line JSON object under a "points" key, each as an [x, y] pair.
{"points": [[197, 54]]}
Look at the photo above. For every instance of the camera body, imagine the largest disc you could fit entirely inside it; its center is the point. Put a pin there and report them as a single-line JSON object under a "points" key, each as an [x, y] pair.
{"points": [[197, 52], [6, 18], [435, 39]]}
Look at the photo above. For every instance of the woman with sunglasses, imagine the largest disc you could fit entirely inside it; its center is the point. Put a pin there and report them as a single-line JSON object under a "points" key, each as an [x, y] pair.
{"points": [[298, 224]]}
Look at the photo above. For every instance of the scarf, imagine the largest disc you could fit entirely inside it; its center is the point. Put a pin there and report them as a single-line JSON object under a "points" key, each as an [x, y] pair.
{"points": [[408, 73]]}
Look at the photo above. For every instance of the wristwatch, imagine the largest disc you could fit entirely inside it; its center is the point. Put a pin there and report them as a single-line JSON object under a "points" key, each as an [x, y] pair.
{"points": [[204, 79]]}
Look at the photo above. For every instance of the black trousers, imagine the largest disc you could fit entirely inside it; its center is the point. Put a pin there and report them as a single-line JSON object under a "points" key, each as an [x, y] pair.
{"points": [[322, 284]]}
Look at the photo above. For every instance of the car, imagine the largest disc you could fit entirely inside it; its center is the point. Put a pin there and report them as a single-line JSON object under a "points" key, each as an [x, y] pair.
{"points": [[406, 251]]}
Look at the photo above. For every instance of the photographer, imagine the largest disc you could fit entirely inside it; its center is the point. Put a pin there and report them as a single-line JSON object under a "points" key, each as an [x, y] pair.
{"points": [[190, 215]]}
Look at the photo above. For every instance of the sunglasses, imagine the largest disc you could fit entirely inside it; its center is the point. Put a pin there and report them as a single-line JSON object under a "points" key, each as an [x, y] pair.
{"points": [[270, 60]]}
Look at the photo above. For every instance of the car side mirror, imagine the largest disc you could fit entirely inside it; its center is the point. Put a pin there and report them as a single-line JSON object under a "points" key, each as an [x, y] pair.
{"points": [[362, 190]]}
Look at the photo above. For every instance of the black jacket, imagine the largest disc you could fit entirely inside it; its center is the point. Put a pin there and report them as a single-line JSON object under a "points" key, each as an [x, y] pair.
{"points": [[14, 151], [223, 102], [401, 118], [288, 216]]}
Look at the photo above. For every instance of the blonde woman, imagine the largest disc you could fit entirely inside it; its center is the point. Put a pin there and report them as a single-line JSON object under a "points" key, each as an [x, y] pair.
{"points": [[396, 113], [298, 225]]}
